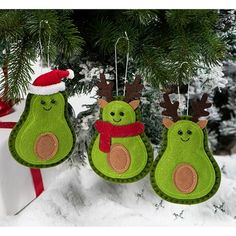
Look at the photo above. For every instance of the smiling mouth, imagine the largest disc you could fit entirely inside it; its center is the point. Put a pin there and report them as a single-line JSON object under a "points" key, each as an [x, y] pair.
{"points": [[47, 109], [185, 140], [117, 120]]}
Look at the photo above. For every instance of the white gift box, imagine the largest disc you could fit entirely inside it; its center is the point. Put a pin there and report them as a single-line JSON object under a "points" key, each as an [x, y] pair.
{"points": [[19, 185]]}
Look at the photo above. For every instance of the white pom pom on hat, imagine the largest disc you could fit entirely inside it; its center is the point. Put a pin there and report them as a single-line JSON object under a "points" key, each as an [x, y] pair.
{"points": [[71, 74], [50, 83]]}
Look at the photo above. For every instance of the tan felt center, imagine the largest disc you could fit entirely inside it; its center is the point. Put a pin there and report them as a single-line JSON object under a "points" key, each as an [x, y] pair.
{"points": [[118, 158], [185, 178], [46, 146]]}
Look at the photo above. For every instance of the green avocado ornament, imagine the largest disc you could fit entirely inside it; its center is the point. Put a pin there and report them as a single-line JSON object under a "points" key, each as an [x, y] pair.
{"points": [[120, 151], [185, 171], [44, 137]]}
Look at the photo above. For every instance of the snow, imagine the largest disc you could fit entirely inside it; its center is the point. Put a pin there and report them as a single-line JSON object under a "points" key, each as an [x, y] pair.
{"points": [[78, 101], [78, 197]]}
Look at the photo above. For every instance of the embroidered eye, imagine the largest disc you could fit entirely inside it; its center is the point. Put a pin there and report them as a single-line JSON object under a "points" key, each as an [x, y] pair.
{"points": [[43, 102], [112, 113], [189, 132], [180, 132], [53, 101], [122, 113]]}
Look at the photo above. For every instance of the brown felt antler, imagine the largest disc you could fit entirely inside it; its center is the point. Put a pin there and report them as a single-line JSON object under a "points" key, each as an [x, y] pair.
{"points": [[171, 108], [105, 89], [133, 91], [199, 107]]}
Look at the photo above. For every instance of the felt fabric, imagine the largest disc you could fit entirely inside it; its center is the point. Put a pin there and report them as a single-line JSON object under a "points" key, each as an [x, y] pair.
{"points": [[185, 178], [104, 88], [133, 91], [119, 158], [108, 131], [137, 152], [189, 148], [199, 107], [50, 83], [50, 89], [171, 109], [49, 116], [46, 146], [138, 147], [118, 113]]}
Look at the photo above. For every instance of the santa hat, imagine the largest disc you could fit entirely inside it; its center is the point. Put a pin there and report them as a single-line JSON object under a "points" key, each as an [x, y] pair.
{"points": [[50, 82]]}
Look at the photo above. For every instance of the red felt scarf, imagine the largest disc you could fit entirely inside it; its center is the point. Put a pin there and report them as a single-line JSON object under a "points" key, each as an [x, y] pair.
{"points": [[108, 131]]}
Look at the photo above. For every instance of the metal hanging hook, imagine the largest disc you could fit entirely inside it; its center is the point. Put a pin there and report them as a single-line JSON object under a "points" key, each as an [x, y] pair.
{"points": [[178, 89], [188, 99], [40, 47], [40, 44], [127, 62]]}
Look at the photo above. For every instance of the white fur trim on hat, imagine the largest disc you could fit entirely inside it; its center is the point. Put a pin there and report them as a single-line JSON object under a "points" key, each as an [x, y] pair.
{"points": [[71, 74], [47, 90]]}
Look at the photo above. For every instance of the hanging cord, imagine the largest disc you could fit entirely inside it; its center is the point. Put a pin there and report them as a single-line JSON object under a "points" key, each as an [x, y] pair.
{"points": [[179, 98], [40, 44], [127, 61], [179, 95], [48, 46], [188, 99], [40, 47]]}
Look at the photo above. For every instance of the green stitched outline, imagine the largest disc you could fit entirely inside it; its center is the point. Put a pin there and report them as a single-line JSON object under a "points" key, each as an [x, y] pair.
{"points": [[146, 143], [211, 158], [15, 130]]}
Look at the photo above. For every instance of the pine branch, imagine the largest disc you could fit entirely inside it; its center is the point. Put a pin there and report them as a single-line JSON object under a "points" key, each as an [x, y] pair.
{"points": [[19, 70], [104, 34], [167, 46], [21, 32], [143, 16], [69, 43], [10, 24]]}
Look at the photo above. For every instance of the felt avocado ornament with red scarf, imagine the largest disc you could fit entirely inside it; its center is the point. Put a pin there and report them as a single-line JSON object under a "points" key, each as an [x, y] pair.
{"points": [[120, 151], [44, 137], [185, 171]]}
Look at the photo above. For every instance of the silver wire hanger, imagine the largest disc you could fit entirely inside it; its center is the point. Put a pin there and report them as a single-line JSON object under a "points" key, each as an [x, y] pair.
{"points": [[127, 62], [41, 47]]}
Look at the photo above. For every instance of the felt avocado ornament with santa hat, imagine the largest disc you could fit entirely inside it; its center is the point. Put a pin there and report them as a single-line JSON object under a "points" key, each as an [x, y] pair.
{"points": [[44, 137]]}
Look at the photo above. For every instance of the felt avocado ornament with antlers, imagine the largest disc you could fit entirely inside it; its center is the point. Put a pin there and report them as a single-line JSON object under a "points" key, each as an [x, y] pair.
{"points": [[185, 171], [120, 151], [44, 137]]}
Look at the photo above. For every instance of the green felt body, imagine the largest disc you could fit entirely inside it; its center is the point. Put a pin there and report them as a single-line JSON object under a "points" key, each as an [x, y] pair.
{"points": [[139, 147], [35, 121], [137, 151], [194, 152]]}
